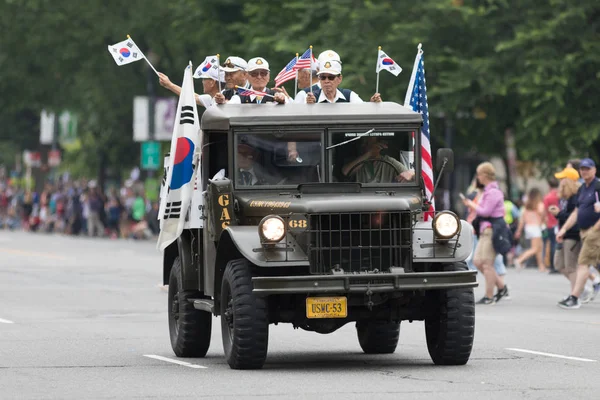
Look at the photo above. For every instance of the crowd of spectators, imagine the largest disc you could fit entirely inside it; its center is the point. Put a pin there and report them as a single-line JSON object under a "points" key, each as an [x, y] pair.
{"points": [[79, 207]]}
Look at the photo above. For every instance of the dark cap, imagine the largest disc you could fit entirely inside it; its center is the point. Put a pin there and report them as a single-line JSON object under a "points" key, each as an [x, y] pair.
{"points": [[587, 163]]}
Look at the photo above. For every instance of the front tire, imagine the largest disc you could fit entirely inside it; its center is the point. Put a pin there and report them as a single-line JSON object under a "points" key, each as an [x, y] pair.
{"points": [[450, 325], [244, 318], [189, 329], [378, 337]]}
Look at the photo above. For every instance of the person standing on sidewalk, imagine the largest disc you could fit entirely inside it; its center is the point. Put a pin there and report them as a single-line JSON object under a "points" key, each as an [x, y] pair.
{"points": [[587, 216], [551, 199]]}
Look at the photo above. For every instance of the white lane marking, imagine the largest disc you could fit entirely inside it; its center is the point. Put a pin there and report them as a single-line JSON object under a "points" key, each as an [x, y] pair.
{"points": [[185, 364], [5, 321], [539, 353]]}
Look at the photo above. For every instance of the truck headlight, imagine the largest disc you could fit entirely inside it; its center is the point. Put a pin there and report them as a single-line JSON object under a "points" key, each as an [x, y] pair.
{"points": [[271, 229], [446, 225]]}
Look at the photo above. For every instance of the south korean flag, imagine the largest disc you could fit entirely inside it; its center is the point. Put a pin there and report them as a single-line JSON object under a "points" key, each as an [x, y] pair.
{"points": [[210, 62], [125, 52], [177, 192], [385, 62]]}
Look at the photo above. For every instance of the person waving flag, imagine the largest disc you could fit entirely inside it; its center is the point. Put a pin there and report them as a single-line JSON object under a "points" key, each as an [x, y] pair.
{"points": [[416, 99]]}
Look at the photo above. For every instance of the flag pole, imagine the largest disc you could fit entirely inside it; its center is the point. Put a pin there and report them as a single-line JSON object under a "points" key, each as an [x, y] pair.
{"points": [[143, 55], [378, 69], [311, 67], [296, 84], [413, 75], [219, 71]]}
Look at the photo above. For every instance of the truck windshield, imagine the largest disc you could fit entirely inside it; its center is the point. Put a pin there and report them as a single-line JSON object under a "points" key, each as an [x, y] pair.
{"points": [[378, 157], [269, 159]]}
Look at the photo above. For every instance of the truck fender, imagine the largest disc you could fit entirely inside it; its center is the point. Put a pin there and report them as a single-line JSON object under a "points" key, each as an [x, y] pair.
{"points": [[181, 248], [426, 249]]}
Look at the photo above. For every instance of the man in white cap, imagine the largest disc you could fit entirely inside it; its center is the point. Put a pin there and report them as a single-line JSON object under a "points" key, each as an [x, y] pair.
{"points": [[236, 74], [330, 77], [327, 55], [259, 77], [210, 84]]}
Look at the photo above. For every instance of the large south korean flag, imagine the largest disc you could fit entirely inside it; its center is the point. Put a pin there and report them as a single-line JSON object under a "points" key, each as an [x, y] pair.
{"points": [[182, 168]]}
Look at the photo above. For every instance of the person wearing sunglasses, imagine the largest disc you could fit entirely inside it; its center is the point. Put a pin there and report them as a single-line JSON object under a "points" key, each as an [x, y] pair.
{"points": [[235, 69], [330, 77], [259, 77]]}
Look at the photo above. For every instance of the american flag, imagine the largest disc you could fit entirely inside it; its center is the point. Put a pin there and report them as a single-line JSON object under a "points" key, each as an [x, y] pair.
{"points": [[249, 92], [416, 98], [287, 73], [305, 60]]}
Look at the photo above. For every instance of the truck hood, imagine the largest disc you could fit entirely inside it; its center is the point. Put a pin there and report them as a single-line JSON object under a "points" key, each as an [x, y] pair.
{"points": [[261, 204]]}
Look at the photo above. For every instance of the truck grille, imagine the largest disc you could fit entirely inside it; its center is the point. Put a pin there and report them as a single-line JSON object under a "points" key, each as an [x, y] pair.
{"points": [[359, 242]]}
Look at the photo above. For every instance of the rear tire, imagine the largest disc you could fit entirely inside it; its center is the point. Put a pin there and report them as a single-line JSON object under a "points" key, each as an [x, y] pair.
{"points": [[378, 337], [189, 329], [450, 325], [244, 318]]}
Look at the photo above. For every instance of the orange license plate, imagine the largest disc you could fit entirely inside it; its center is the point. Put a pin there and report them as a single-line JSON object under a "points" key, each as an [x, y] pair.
{"points": [[326, 307]]}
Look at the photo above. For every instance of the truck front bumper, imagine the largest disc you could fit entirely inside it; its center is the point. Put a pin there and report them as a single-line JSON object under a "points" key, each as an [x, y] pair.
{"points": [[363, 283]]}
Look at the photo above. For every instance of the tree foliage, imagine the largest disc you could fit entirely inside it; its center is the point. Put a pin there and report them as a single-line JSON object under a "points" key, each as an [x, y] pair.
{"points": [[490, 64]]}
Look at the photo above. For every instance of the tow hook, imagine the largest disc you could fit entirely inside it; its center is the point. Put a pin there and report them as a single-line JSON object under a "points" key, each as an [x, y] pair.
{"points": [[369, 294]]}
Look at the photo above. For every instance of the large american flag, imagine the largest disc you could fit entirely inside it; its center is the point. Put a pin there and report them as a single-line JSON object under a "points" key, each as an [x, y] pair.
{"points": [[416, 98], [287, 73]]}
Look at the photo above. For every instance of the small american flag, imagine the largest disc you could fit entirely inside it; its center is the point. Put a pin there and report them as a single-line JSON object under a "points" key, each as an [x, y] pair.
{"points": [[287, 73], [416, 97], [249, 92], [305, 60]]}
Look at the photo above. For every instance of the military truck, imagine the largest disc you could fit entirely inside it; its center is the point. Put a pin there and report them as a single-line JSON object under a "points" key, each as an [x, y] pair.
{"points": [[314, 215]]}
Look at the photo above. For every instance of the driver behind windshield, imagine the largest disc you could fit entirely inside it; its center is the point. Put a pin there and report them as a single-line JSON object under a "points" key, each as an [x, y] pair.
{"points": [[250, 172], [374, 167]]}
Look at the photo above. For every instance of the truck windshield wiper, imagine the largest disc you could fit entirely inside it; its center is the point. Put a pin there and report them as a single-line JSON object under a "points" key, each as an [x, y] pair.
{"points": [[360, 135]]}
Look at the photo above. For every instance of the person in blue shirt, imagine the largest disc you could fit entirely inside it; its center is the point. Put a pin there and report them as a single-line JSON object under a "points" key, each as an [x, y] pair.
{"points": [[587, 217]]}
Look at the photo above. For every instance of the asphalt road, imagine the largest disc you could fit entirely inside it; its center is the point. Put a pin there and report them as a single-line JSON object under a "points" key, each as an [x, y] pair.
{"points": [[79, 318]]}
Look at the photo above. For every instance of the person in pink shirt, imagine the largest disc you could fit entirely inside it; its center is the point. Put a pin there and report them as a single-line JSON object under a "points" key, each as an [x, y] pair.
{"points": [[551, 199], [490, 206]]}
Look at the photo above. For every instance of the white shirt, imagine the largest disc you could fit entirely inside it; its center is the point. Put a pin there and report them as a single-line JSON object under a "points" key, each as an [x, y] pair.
{"points": [[206, 100], [301, 95], [354, 98], [235, 99]]}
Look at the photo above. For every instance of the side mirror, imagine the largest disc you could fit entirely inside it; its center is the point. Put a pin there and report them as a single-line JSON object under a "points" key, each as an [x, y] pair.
{"points": [[444, 156]]}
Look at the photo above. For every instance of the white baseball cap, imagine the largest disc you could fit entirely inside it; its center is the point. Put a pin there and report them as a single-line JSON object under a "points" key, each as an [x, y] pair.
{"points": [[329, 55], [332, 67], [212, 73], [257, 63], [234, 63]]}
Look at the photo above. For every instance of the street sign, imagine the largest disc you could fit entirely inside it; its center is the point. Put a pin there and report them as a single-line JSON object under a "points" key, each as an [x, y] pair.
{"points": [[54, 158], [165, 109], [67, 128], [32, 159], [150, 155]]}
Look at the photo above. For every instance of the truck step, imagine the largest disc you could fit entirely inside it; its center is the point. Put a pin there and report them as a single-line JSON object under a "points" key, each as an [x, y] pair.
{"points": [[204, 305]]}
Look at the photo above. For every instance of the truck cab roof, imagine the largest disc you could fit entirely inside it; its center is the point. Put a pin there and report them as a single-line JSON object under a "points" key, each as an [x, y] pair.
{"points": [[222, 117]]}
